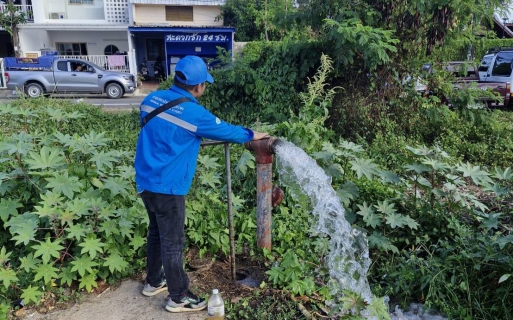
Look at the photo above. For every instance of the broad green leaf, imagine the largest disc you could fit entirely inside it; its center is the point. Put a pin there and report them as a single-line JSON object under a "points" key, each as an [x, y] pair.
{"points": [[115, 263], [412, 224], [395, 220], [23, 227], [503, 241], [211, 179], [389, 177], [385, 207], [31, 294], [94, 139], [491, 221], [116, 186], [436, 165], [247, 160], [348, 145], [417, 168], [7, 276], [79, 206], [4, 256], [8, 207], [46, 211], [497, 189], [363, 167], [102, 159], [28, 262], [207, 162], [76, 231], [47, 249], [46, 159], [369, 217], [125, 227], [503, 174], [109, 227], [347, 192], [63, 183], [137, 242], [477, 175], [92, 246], [67, 276], [88, 282], [46, 271], [83, 264], [376, 240]]}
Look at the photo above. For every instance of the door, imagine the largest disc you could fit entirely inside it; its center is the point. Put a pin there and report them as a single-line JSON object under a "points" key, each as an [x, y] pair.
{"points": [[76, 76], [501, 67]]}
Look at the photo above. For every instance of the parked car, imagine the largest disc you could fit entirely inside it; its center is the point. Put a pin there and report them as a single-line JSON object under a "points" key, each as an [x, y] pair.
{"points": [[47, 75], [466, 75]]}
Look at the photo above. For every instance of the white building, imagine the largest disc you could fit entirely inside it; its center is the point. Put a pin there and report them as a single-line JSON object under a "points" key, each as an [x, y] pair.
{"points": [[138, 29]]}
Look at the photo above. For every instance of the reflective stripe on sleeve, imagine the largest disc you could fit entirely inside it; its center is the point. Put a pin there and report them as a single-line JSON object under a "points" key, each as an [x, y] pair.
{"points": [[172, 119]]}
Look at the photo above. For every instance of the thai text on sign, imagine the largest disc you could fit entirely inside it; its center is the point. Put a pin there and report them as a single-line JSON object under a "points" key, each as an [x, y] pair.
{"points": [[196, 37]]}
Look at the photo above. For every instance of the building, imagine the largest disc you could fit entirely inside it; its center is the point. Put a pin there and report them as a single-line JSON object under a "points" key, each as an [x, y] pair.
{"points": [[171, 29], [122, 34], [6, 45]]}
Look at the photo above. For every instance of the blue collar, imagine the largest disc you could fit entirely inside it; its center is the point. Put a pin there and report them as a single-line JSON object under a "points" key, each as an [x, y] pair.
{"points": [[184, 93]]}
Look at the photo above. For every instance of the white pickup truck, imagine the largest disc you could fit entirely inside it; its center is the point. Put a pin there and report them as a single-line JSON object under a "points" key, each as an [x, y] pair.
{"points": [[47, 75]]}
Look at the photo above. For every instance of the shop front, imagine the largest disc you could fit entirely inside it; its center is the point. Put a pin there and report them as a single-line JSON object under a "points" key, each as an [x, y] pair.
{"points": [[167, 45]]}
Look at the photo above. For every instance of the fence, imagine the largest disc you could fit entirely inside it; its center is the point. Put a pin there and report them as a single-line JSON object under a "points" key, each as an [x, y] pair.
{"points": [[121, 63], [27, 9], [116, 63]]}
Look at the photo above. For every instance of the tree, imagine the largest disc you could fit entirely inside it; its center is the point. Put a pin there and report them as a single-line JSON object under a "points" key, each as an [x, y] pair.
{"points": [[9, 20]]}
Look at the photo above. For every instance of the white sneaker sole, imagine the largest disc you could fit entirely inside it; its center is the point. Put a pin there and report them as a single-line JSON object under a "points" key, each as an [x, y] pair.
{"points": [[184, 309], [152, 293]]}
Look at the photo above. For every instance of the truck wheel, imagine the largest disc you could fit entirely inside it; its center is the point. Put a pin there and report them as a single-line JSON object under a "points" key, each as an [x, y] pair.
{"points": [[34, 90], [114, 91]]}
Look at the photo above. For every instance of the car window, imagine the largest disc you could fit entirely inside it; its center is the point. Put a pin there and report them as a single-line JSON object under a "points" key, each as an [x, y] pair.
{"points": [[502, 65], [62, 65], [485, 63]]}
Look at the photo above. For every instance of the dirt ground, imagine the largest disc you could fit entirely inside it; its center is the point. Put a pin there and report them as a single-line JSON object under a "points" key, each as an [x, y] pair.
{"points": [[124, 301]]}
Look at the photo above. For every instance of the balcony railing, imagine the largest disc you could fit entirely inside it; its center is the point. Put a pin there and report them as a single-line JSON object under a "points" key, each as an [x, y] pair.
{"points": [[27, 9], [117, 63]]}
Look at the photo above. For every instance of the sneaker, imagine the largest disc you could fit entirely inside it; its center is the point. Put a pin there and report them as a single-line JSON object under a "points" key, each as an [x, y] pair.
{"points": [[189, 302], [150, 290]]}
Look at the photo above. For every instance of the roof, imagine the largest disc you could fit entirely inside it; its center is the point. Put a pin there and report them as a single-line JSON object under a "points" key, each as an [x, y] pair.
{"points": [[182, 2]]}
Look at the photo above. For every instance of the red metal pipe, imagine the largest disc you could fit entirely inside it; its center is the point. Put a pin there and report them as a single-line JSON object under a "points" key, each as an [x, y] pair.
{"points": [[266, 196]]}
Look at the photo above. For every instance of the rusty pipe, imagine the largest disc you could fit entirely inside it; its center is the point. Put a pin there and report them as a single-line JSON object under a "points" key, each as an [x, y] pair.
{"points": [[264, 150]]}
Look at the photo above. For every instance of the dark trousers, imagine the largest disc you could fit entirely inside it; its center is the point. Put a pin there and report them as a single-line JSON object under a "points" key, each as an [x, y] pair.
{"points": [[166, 241]]}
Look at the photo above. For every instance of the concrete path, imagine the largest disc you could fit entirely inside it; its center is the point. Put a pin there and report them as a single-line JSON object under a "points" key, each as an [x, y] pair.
{"points": [[124, 303]]}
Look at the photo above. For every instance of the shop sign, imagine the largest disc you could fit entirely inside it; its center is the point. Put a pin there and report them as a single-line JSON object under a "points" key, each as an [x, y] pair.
{"points": [[197, 37]]}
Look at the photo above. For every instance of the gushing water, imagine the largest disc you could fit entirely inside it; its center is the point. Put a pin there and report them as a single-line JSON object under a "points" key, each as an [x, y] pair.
{"points": [[348, 260]]}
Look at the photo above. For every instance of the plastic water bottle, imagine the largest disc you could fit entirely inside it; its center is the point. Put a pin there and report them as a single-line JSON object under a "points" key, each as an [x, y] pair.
{"points": [[215, 306]]}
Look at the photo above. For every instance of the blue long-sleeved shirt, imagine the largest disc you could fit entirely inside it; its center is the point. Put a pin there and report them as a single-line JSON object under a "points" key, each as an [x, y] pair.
{"points": [[168, 145]]}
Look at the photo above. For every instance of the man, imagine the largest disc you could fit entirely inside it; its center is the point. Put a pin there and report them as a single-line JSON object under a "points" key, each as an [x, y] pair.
{"points": [[165, 163]]}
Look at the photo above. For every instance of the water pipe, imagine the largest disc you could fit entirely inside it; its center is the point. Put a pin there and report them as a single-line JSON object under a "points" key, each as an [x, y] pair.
{"points": [[268, 196]]}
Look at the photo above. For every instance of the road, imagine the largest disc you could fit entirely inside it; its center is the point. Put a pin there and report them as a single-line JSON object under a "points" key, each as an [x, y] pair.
{"points": [[128, 101]]}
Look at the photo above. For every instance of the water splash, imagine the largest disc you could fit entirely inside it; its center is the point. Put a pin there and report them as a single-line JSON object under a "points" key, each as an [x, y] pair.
{"points": [[348, 260]]}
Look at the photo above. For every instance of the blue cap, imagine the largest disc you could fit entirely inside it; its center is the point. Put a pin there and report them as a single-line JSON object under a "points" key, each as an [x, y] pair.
{"points": [[194, 69]]}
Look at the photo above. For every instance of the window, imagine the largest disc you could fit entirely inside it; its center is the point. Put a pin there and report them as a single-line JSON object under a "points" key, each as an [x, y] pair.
{"points": [[81, 1], [72, 49], [502, 66], [110, 50], [179, 13], [62, 65], [154, 48]]}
